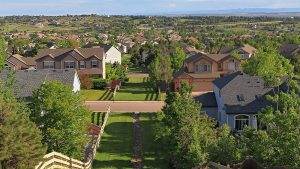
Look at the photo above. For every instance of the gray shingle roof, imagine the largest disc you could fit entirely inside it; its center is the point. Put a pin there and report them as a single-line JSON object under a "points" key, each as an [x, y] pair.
{"points": [[26, 81], [242, 93], [207, 99]]}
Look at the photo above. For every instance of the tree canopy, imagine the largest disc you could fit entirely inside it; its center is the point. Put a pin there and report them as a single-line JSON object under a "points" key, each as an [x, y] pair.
{"points": [[270, 65], [278, 143], [20, 146], [62, 117]]}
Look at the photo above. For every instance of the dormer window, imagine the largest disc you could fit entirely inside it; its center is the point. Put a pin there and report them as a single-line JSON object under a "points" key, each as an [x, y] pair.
{"points": [[240, 97]]}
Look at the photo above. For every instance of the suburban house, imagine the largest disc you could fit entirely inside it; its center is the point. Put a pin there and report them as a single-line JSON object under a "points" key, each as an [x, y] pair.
{"points": [[246, 51], [18, 62], [239, 98], [113, 55], [89, 61], [27, 81], [201, 69]]}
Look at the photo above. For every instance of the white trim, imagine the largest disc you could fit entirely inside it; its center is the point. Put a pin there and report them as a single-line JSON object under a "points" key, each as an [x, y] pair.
{"points": [[234, 119]]}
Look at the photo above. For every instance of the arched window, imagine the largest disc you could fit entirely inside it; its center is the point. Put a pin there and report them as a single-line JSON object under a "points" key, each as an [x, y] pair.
{"points": [[241, 121]]}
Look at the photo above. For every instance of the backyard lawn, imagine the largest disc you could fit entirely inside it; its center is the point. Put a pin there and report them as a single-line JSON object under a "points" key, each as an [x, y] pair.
{"points": [[116, 146], [137, 89]]}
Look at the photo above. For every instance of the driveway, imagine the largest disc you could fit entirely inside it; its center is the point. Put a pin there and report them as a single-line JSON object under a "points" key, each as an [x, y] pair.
{"points": [[125, 106]]}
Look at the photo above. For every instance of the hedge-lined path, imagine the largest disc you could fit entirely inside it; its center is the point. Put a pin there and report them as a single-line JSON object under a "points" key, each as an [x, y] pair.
{"points": [[137, 160]]}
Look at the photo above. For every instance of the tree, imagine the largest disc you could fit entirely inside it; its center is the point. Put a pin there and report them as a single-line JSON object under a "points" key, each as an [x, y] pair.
{"points": [[2, 52], [20, 145], [279, 143], [177, 58], [225, 150], [116, 72], [185, 132], [160, 71], [62, 117], [270, 65], [69, 43]]}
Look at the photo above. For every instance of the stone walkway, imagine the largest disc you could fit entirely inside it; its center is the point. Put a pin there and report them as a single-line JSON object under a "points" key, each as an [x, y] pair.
{"points": [[137, 160]]}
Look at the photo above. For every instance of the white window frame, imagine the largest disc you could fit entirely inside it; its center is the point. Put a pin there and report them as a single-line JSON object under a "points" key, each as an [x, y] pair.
{"points": [[245, 119], [48, 66], [68, 64], [208, 68], [92, 63]]}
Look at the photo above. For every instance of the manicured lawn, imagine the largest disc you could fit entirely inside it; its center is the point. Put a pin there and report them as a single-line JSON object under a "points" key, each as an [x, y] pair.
{"points": [[152, 154], [116, 146], [137, 89], [93, 95], [115, 149]]}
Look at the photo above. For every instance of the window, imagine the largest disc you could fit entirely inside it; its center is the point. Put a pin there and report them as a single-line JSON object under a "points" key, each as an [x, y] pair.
{"points": [[94, 63], [240, 97], [241, 121], [220, 66], [69, 64], [206, 68], [81, 64], [48, 64]]}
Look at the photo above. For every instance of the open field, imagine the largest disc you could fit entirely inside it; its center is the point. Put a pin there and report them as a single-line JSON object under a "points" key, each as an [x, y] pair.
{"points": [[116, 146]]}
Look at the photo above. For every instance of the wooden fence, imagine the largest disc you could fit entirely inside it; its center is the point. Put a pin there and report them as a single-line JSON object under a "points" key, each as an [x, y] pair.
{"points": [[56, 160]]}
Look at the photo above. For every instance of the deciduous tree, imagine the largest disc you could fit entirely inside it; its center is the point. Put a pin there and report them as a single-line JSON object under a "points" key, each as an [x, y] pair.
{"points": [[62, 118]]}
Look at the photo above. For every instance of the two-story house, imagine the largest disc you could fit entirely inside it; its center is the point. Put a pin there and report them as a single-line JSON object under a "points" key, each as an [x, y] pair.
{"points": [[239, 98], [86, 60], [113, 55], [201, 69]]}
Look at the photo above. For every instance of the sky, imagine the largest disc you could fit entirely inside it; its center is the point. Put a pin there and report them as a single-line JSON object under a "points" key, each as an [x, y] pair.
{"points": [[131, 7]]}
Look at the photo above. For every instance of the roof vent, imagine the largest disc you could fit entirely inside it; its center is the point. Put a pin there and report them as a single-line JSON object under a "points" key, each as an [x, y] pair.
{"points": [[240, 97]]}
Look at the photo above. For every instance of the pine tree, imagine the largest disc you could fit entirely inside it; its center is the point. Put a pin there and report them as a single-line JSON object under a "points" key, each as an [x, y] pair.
{"points": [[20, 139]]}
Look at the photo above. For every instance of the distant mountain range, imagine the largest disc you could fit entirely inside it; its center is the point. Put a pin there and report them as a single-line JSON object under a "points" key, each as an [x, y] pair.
{"points": [[240, 12]]}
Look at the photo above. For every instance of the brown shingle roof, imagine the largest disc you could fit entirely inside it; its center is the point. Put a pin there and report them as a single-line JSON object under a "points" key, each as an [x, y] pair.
{"points": [[26, 60], [247, 48], [84, 52]]}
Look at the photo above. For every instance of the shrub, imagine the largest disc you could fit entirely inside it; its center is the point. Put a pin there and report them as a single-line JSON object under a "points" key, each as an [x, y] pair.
{"points": [[86, 82], [99, 84]]}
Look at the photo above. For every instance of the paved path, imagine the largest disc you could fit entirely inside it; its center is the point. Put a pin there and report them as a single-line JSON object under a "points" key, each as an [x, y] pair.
{"points": [[137, 142], [125, 106]]}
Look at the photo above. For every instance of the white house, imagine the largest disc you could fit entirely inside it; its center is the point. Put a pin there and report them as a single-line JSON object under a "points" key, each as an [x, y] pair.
{"points": [[113, 55]]}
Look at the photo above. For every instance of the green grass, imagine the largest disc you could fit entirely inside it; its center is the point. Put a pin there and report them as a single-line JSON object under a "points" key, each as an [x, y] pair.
{"points": [[115, 149], [116, 146], [152, 154], [137, 89], [93, 95]]}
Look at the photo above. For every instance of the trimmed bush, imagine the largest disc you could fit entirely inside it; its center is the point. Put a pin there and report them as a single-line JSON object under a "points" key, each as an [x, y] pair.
{"points": [[99, 84]]}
